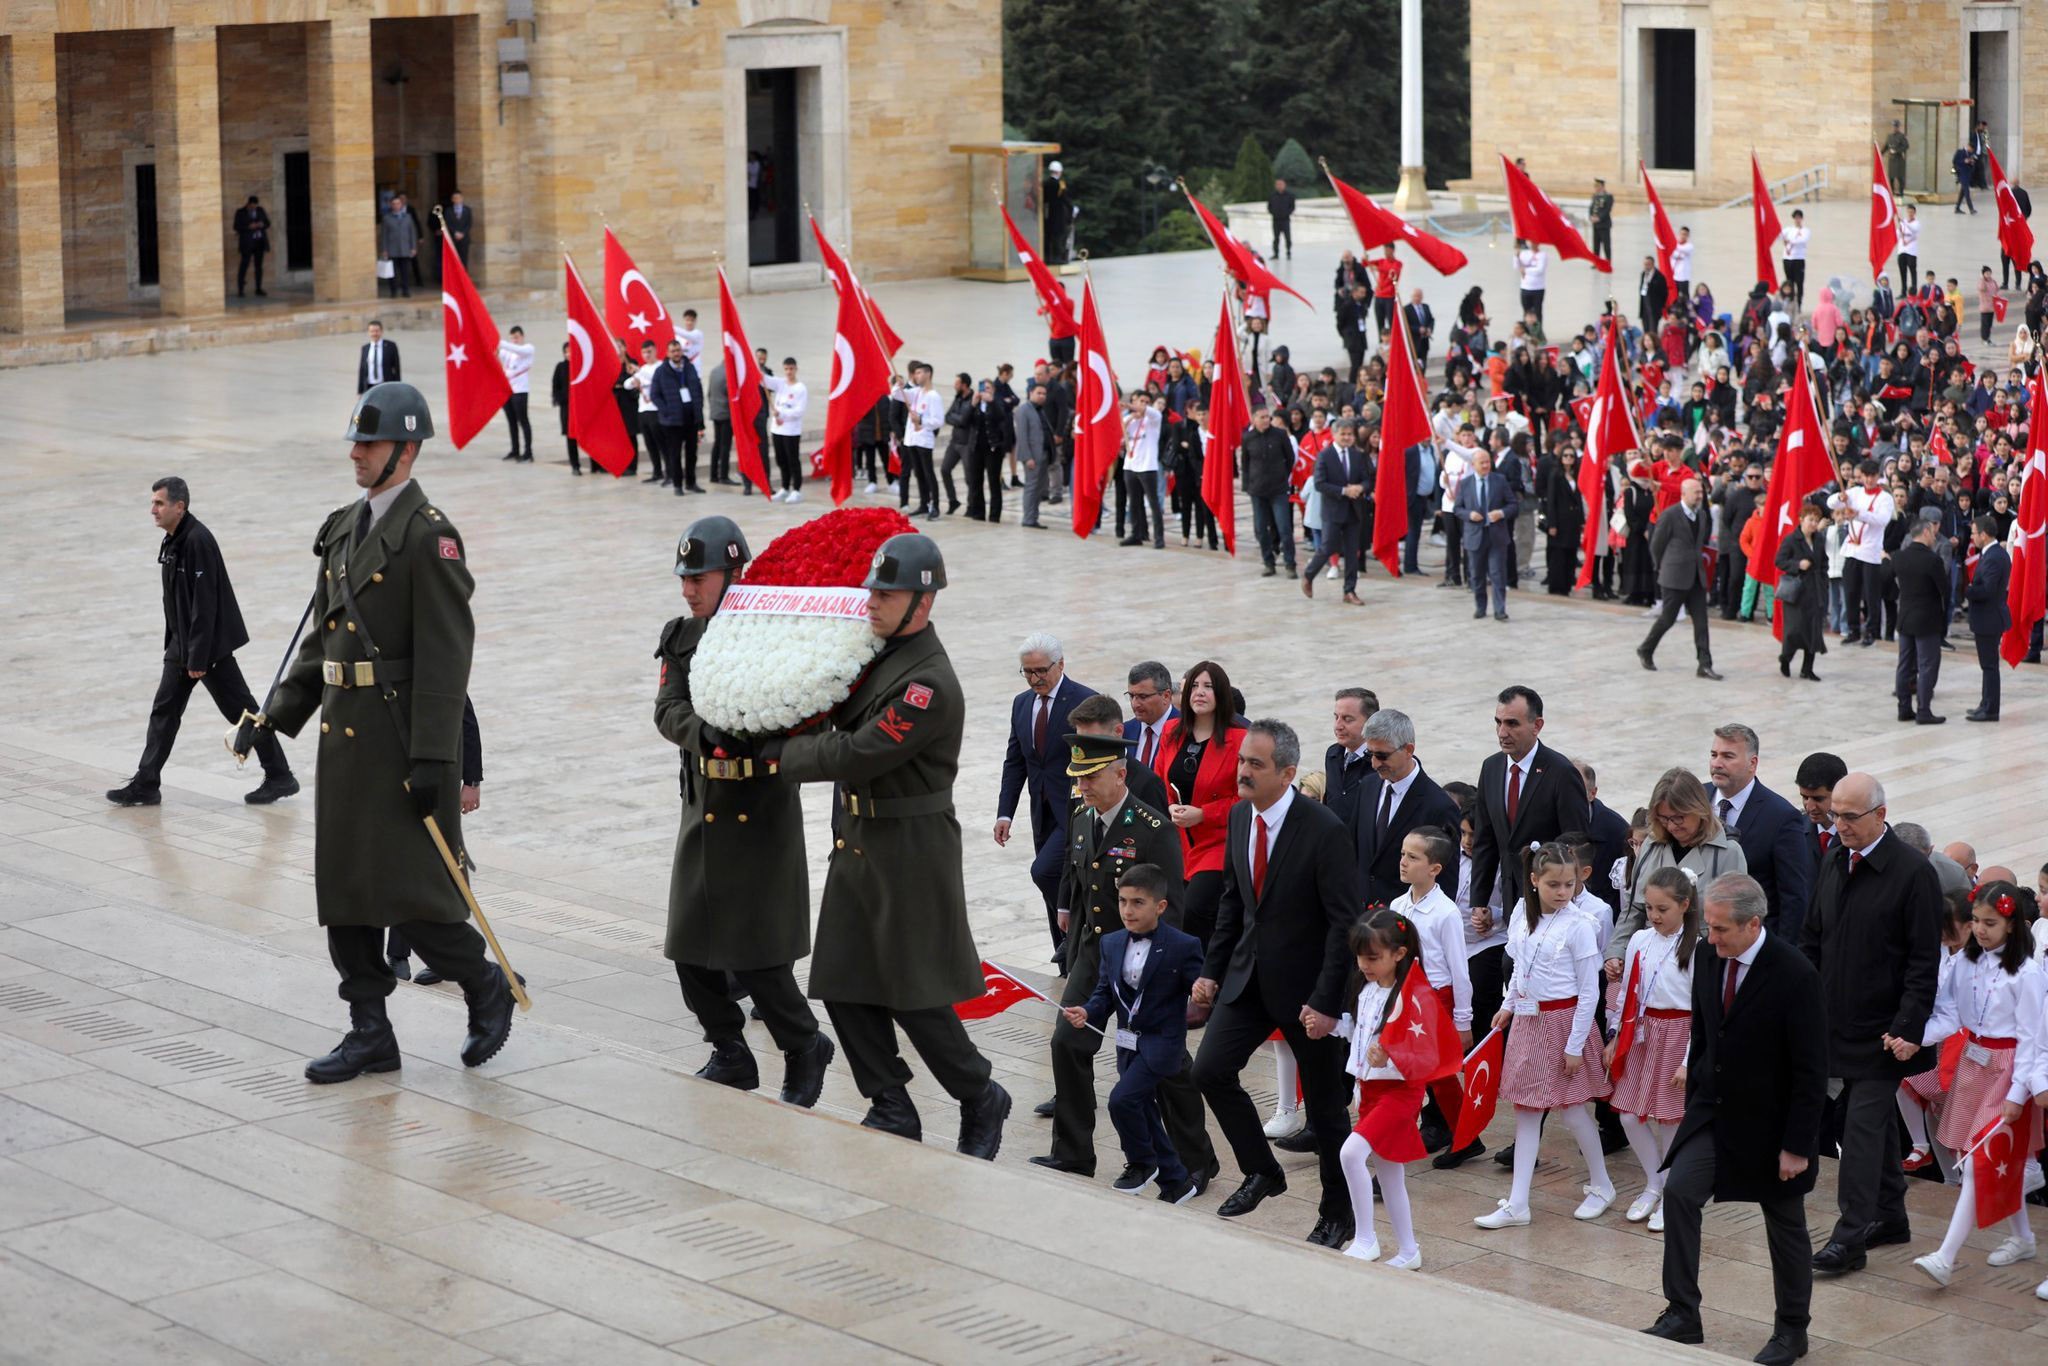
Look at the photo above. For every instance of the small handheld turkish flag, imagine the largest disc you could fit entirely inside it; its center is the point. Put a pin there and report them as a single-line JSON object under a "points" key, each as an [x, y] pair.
{"points": [[1418, 1036], [1482, 1089], [1631, 1015], [999, 992], [1998, 1167]]}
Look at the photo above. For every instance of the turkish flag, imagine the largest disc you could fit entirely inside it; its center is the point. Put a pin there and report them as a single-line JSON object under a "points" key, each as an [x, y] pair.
{"points": [[1999, 307], [1229, 414], [1239, 259], [1661, 235], [1098, 426], [2015, 238], [1539, 222], [742, 388], [1377, 227], [1053, 299], [1482, 1089], [999, 992], [594, 420], [1998, 1165], [1884, 215], [1418, 1036], [1631, 1017], [1768, 228], [1404, 424], [843, 279], [1801, 467], [2027, 595], [1938, 447], [477, 387], [631, 320], [860, 379], [1610, 429]]}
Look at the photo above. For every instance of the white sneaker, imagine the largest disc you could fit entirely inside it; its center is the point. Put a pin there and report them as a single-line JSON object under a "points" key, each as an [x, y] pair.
{"points": [[2031, 1178], [1287, 1123], [1938, 1271], [1656, 1224], [1506, 1216], [796, 496], [1365, 1249], [1644, 1206], [2013, 1249], [2041, 1291], [1411, 1261], [871, 486], [1595, 1204], [1332, 575]]}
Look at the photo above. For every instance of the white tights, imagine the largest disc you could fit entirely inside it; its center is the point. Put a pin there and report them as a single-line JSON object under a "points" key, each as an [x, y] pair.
{"points": [[1964, 1220], [1529, 1136], [1649, 1140], [1915, 1115], [1361, 1164], [1286, 1079]]}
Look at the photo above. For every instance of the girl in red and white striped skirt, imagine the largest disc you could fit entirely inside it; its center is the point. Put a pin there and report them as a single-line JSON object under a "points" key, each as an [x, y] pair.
{"points": [[1649, 1074], [1922, 1095]]}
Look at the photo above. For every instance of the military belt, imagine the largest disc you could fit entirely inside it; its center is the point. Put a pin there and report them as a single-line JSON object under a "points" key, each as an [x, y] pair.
{"points": [[893, 808], [729, 768], [364, 673]]}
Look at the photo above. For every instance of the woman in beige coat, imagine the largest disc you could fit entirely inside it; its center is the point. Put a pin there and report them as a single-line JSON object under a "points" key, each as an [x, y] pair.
{"points": [[1684, 833]]}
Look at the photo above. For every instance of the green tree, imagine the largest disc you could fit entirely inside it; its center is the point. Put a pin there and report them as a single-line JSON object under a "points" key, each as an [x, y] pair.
{"points": [[1292, 164], [1251, 179]]}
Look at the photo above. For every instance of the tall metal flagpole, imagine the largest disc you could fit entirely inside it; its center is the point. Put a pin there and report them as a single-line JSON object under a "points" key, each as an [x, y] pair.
{"points": [[1413, 194]]}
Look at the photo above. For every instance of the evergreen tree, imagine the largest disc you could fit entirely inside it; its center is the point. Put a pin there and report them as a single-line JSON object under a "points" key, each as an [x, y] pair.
{"points": [[1251, 180], [1292, 163]]}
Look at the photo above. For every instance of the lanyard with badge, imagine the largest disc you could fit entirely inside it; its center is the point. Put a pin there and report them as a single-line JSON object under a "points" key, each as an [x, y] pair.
{"points": [[1540, 942], [1127, 1038], [1987, 968]]}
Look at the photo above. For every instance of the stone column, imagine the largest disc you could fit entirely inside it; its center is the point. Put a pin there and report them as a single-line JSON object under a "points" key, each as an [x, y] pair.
{"points": [[31, 228], [483, 163], [185, 96], [1412, 195], [341, 138]]}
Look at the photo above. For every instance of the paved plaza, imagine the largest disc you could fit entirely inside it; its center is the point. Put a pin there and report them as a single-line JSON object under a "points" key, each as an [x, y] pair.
{"points": [[171, 1190]]}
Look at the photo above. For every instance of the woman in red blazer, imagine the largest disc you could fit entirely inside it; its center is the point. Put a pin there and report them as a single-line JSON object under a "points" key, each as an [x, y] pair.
{"points": [[1198, 764]]}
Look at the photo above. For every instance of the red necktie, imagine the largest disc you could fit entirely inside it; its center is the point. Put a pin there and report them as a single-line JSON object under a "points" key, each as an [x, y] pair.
{"points": [[1259, 859], [1514, 793], [1038, 724], [1728, 989], [1854, 859], [1826, 839], [1146, 757]]}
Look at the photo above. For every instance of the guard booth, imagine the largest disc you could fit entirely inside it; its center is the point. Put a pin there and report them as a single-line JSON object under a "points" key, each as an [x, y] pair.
{"points": [[1934, 128], [1009, 172]]}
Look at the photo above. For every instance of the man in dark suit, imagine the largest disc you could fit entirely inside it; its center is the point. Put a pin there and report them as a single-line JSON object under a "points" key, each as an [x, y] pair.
{"points": [[1652, 293], [1421, 325], [1990, 618], [1342, 479], [1279, 960], [1422, 472], [1676, 547], [1035, 763], [1149, 689], [1923, 619], [1345, 765], [1770, 829], [1753, 1096], [1609, 830], [1398, 797], [1528, 794], [460, 224], [252, 243], [1873, 932], [377, 362], [1485, 506]]}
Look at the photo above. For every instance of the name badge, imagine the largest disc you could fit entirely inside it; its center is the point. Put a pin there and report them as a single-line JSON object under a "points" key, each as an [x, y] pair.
{"points": [[1127, 1039], [1527, 1008], [1978, 1054]]}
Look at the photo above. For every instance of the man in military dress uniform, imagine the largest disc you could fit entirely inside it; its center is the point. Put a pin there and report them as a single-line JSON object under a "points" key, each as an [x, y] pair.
{"points": [[894, 950], [739, 899], [386, 664], [1111, 831], [1600, 212]]}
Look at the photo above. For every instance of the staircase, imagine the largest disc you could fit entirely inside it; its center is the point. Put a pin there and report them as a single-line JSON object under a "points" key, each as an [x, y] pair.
{"points": [[1808, 186]]}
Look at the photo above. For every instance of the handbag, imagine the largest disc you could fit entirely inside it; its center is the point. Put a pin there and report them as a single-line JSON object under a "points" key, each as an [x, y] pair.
{"points": [[1617, 521], [387, 269], [1790, 588]]}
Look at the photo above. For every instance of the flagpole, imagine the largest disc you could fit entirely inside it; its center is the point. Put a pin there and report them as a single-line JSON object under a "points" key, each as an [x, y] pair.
{"points": [[1036, 992]]}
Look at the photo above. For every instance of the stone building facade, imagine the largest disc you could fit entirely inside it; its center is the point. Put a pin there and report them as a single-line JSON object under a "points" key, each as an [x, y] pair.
{"points": [[1583, 88], [131, 130]]}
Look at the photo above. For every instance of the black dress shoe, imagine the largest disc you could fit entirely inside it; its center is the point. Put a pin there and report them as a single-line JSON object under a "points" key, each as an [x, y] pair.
{"points": [[732, 1064], [1303, 1141], [803, 1073], [1929, 719], [490, 1017], [1706, 671], [1889, 1235], [1809, 675], [1783, 1349], [1647, 662], [1457, 1157], [1253, 1193], [1203, 1177], [1054, 1162], [1980, 715], [272, 789], [427, 977], [134, 793], [1435, 1135], [1673, 1326], [1045, 1108], [890, 1111], [981, 1123], [1838, 1259], [1332, 1233], [1906, 717], [369, 1046], [1506, 1156], [401, 967]]}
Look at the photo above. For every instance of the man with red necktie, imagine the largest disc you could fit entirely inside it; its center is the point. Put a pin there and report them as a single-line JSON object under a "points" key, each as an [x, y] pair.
{"points": [[1149, 688], [1816, 779]]}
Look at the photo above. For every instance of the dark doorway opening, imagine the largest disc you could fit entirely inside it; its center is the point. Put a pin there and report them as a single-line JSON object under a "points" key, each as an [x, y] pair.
{"points": [[145, 224], [774, 197], [1672, 98], [298, 211]]}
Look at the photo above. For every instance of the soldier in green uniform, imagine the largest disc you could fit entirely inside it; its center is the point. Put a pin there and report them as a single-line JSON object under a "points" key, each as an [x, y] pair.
{"points": [[386, 664], [1895, 148], [894, 950], [1111, 831], [1600, 212], [739, 901]]}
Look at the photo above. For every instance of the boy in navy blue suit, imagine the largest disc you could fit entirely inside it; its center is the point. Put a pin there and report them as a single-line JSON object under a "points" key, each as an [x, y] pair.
{"points": [[1148, 969]]}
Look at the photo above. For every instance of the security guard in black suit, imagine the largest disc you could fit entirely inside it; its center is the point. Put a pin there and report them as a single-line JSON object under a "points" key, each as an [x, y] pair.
{"points": [[1110, 832]]}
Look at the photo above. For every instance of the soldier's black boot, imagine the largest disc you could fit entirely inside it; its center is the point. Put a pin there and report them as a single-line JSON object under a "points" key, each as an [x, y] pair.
{"points": [[803, 1073], [890, 1111], [490, 1017], [273, 789], [133, 793], [732, 1064], [981, 1122], [369, 1046]]}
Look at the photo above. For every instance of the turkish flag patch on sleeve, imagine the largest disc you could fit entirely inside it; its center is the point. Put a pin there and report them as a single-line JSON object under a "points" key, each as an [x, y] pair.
{"points": [[918, 696], [450, 550]]}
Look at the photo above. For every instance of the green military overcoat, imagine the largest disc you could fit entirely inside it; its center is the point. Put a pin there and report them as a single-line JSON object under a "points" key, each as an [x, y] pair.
{"points": [[373, 861], [739, 896], [892, 930], [1137, 835]]}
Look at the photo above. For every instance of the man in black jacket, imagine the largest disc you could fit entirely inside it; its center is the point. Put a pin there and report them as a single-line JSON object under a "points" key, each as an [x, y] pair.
{"points": [[1268, 469], [1280, 205], [377, 362], [1989, 616], [1923, 617], [202, 630], [252, 242]]}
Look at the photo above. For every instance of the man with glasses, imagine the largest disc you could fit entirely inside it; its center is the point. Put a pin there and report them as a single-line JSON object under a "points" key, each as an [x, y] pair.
{"points": [[1150, 692], [1036, 763], [1395, 798], [1873, 932]]}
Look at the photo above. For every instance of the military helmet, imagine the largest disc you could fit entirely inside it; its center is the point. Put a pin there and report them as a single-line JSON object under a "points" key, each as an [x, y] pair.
{"points": [[711, 543], [909, 561], [392, 411]]}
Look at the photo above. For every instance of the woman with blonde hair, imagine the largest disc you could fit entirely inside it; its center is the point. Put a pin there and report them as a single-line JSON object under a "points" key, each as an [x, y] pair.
{"points": [[1684, 834]]}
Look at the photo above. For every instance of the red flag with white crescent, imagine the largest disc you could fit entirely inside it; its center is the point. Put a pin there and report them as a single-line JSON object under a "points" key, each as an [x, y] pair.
{"points": [[1661, 236], [1631, 1018], [843, 279], [2027, 594], [999, 992], [1098, 425], [1404, 424], [1884, 215], [594, 419], [1610, 430], [1764, 214], [632, 310], [1998, 1165], [1229, 414], [1054, 302], [1240, 260], [1539, 222], [1418, 1036], [2015, 238], [1377, 227], [1801, 467], [1482, 1089], [742, 388], [860, 379], [477, 387]]}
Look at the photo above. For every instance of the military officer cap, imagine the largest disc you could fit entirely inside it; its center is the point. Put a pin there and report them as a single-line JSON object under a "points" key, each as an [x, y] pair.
{"points": [[908, 561], [711, 544], [1088, 754], [392, 411]]}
